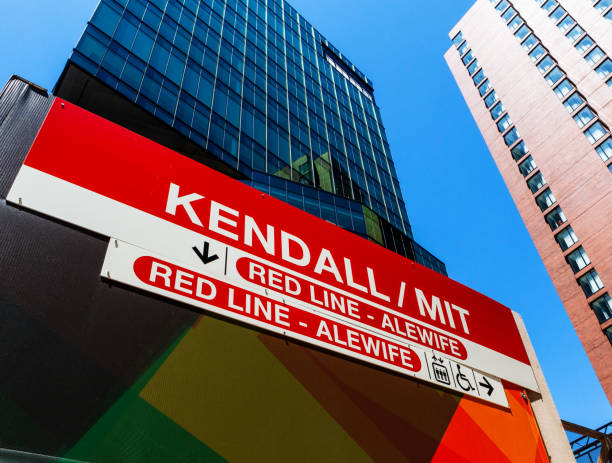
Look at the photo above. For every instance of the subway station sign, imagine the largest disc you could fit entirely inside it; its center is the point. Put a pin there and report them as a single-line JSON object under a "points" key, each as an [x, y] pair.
{"points": [[186, 232]]}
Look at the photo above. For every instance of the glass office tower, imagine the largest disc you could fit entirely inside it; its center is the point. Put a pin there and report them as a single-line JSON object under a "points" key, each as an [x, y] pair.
{"points": [[264, 95]]}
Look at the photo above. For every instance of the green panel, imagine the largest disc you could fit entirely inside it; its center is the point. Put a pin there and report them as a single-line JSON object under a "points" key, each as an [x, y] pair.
{"points": [[134, 431], [372, 225]]}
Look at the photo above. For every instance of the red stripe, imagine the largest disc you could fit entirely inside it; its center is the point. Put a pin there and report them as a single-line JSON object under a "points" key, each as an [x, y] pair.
{"points": [[88, 151]]}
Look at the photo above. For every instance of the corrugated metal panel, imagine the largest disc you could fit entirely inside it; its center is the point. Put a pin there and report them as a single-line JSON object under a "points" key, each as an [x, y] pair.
{"points": [[23, 108]]}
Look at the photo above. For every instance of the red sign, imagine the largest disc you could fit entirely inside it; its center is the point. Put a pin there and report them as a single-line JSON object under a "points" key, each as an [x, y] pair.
{"points": [[184, 282], [335, 270]]}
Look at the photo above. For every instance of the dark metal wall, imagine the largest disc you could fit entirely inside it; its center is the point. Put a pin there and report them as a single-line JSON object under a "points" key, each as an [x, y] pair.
{"points": [[70, 345]]}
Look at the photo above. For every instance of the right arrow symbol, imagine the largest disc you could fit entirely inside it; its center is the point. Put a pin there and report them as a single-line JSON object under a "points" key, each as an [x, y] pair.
{"points": [[486, 384]]}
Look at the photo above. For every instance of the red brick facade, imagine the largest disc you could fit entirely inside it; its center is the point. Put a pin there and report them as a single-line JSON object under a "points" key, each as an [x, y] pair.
{"points": [[577, 176]]}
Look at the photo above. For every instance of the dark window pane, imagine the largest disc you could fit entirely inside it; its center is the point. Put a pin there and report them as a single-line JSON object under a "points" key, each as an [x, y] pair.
{"points": [[497, 110], [484, 88], [578, 259], [545, 200], [566, 238], [511, 137], [527, 166], [555, 218], [536, 182], [590, 283], [106, 19], [519, 151], [602, 307], [490, 99], [504, 123]]}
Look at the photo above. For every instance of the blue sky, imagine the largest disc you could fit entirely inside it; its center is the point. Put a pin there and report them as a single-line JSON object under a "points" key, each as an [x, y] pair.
{"points": [[457, 202]]}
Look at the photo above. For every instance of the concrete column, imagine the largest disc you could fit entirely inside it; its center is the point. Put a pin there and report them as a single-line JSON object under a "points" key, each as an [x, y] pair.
{"points": [[544, 408]]}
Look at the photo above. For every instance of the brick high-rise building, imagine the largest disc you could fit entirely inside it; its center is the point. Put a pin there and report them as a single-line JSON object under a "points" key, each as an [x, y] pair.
{"points": [[537, 77]]}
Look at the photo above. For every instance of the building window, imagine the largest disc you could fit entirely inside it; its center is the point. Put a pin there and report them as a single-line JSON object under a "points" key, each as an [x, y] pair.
{"points": [[590, 283], [578, 259], [497, 110], [594, 56], [605, 150], [566, 238], [504, 123], [522, 32], [603, 5], [555, 218], [484, 88], [536, 182], [511, 137], [502, 5], [537, 53], [469, 56], [575, 33], [490, 99], [473, 66], [566, 23], [458, 39], [515, 24], [478, 77], [529, 42], [584, 44], [584, 116], [545, 64], [519, 151], [605, 68], [508, 14], [602, 308], [527, 166], [545, 200], [608, 333], [573, 102], [595, 132], [557, 14], [549, 5], [563, 88], [553, 76], [463, 48]]}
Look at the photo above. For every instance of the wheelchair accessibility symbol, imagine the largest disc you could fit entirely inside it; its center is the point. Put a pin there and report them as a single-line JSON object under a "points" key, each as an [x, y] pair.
{"points": [[463, 381]]}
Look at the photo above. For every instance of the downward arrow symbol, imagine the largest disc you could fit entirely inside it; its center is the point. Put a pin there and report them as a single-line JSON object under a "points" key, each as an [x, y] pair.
{"points": [[204, 257], [487, 384]]}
